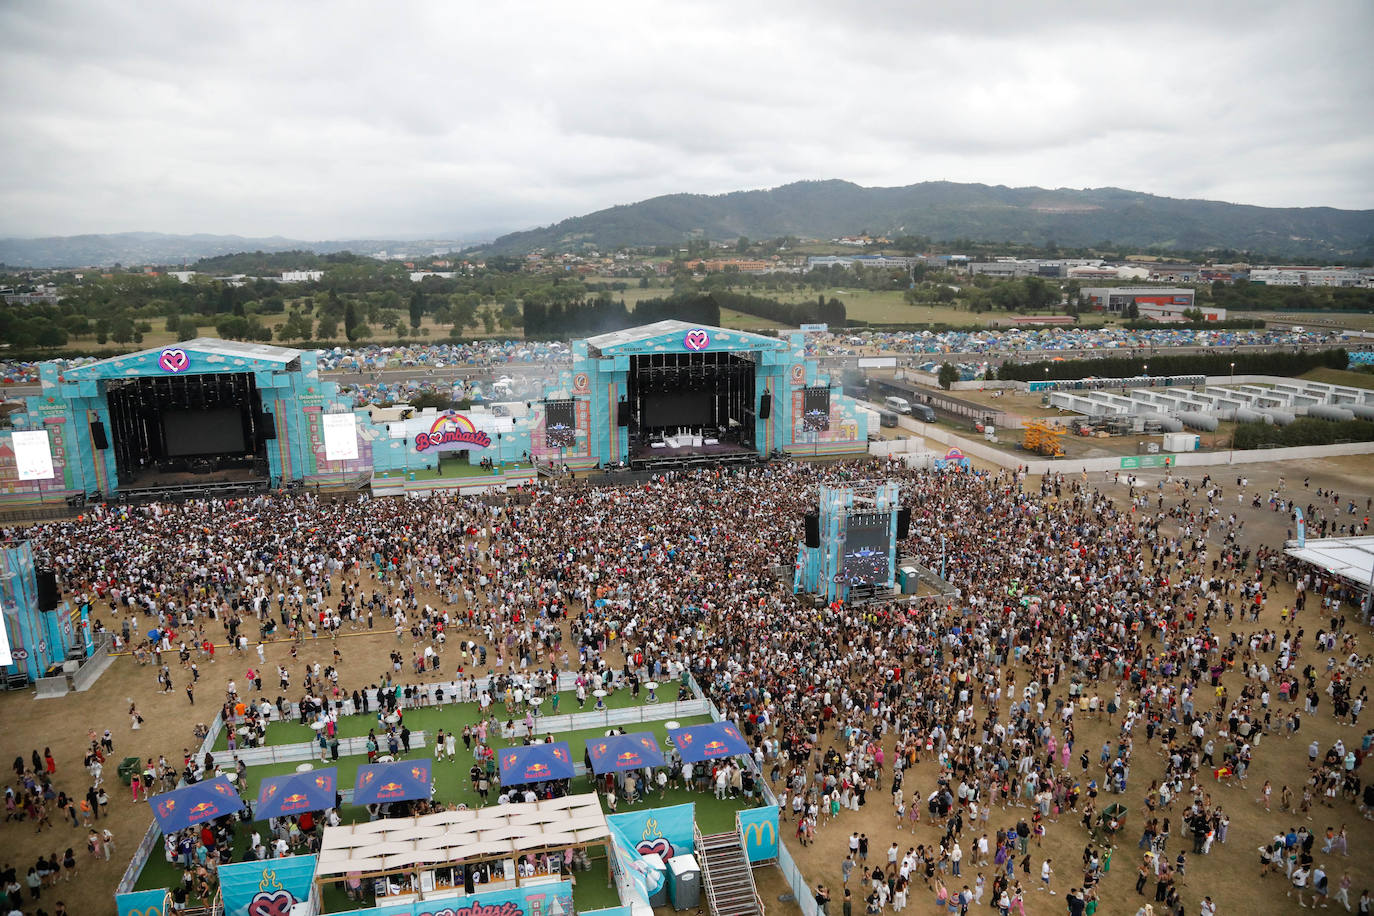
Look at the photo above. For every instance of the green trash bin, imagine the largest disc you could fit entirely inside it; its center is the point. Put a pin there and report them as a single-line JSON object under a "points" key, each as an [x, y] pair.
{"points": [[127, 768]]}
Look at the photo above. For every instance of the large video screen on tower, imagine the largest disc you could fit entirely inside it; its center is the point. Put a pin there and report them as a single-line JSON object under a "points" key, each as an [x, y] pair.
{"points": [[677, 408], [816, 409], [560, 425], [867, 545], [206, 431]]}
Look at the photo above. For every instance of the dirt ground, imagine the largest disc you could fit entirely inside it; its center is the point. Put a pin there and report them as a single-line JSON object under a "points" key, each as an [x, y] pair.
{"points": [[1229, 874]]}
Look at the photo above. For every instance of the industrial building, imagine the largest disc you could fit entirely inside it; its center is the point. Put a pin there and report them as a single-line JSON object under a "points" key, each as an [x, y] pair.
{"points": [[1117, 300]]}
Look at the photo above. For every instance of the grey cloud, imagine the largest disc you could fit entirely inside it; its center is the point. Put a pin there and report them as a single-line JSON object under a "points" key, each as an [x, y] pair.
{"points": [[325, 120]]}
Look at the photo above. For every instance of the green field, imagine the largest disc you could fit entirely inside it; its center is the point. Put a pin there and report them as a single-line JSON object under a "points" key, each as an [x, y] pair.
{"points": [[450, 717]]}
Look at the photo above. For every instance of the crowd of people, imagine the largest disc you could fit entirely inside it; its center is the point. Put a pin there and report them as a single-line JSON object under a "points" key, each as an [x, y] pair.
{"points": [[1110, 605]]}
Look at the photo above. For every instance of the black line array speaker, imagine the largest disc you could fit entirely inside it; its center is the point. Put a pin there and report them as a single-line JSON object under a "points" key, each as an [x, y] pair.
{"points": [[622, 413], [267, 425], [813, 529], [47, 590], [903, 523], [98, 437], [766, 405]]}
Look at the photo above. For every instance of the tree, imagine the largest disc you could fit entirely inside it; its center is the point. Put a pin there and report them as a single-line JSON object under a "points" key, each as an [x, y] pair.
{"points": [[187, 328], [948, 375], [417, 308], [351, 321], [328, 328], [122, 329]]}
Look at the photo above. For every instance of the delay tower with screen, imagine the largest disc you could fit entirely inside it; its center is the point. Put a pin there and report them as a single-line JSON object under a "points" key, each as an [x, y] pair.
{"points": [[849, 549]]}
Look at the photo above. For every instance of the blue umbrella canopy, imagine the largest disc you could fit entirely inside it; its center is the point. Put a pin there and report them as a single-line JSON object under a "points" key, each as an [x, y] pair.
{"points": [[400, 780], [195, 804], [708, 742], [296, 793], [624, 752], [536, 763]]}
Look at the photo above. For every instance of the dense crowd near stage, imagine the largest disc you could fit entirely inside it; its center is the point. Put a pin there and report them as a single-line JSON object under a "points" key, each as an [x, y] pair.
{"points": [[1079, 600]]}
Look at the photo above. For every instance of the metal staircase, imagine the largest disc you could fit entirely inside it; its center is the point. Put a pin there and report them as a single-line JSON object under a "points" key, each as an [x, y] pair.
{"points": [[726, 875]]}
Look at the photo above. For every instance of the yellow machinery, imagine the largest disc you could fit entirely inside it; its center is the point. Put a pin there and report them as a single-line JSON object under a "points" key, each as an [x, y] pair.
{"points": [[1043, 439]]}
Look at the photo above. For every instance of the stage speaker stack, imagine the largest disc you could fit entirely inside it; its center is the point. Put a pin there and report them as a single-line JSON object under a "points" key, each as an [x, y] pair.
{"points": [[622, 413], [903, 524], [766, 405], [813, 529], [98, 437], [47, 590], [267, 425]]}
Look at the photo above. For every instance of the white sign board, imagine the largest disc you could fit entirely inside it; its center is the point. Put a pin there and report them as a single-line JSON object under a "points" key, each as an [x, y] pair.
{"points": [[340, 436], [33, 454]]}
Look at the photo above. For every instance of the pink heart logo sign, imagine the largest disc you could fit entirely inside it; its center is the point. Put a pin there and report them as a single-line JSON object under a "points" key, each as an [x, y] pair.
{"points": [[174, 359], [277, 903], [659, 846], [696, 339]]}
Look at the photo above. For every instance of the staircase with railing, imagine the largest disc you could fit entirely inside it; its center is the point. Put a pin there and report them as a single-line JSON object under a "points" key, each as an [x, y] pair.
{"points": [[726, 875]]}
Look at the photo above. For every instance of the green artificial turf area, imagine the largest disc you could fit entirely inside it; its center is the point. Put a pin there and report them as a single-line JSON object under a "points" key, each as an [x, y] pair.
{"points": [[451, 717]]}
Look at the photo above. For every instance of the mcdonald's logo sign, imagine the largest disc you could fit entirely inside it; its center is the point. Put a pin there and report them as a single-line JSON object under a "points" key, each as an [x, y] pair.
{"points": [[754, 834]]}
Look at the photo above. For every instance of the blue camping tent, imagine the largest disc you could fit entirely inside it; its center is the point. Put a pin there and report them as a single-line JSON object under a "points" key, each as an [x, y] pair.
{"points": [[624, 752], [400, 780], [296, 793], [536, 763], [708, 742], [195, 804]]}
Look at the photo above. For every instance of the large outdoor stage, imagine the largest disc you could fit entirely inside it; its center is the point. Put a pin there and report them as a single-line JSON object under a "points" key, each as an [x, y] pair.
{"points": [[675, 394], [223, 418]]}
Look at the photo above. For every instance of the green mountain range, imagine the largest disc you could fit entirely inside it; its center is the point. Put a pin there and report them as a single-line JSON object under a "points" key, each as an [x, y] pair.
{"points": [[946, 211]]}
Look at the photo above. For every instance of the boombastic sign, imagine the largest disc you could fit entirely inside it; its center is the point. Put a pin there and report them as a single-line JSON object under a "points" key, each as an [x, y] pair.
{"points": [[452, 430]]}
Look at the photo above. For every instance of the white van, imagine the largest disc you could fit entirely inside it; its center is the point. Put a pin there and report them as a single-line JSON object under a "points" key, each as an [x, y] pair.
{"points": [[898, 405]]}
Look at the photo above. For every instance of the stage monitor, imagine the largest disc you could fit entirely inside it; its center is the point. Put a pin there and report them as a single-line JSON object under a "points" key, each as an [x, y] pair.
{"points": [[207, 431], [677, 408], [560, 424], [32, 454], [816, 409], [867, 547], [340, 436]]}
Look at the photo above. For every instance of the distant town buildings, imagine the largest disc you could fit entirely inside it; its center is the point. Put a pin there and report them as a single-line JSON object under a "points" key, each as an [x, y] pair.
{"points": [[41, 295], [1311, 276]]}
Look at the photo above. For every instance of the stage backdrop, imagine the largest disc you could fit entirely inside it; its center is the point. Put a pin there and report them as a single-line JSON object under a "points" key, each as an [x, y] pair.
{"points": [[665, 832], [536, 900], [758, 829], [272, 886]]}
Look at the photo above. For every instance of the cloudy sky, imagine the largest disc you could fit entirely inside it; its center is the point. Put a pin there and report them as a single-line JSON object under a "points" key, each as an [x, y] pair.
{"points": [[337, 120]]}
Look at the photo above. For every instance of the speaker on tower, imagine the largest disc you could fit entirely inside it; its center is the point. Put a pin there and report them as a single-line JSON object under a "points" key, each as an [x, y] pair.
{"points": [[903, 523], [267, 425], [47, 590], [813, 529], [98, 437], [622, 413], [766, 405]]}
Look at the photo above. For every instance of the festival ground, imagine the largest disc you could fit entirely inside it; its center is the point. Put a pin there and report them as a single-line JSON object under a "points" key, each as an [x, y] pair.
{"points": [[1229, 874]]}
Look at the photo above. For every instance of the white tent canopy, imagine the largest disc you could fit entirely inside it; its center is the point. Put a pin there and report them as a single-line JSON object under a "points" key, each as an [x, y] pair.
{"points": [[1350, 558], [501, 831]]}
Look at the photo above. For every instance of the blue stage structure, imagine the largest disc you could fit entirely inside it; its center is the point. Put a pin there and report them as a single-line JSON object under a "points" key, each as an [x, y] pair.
{"points": [[858, 542], [210, 417]]}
